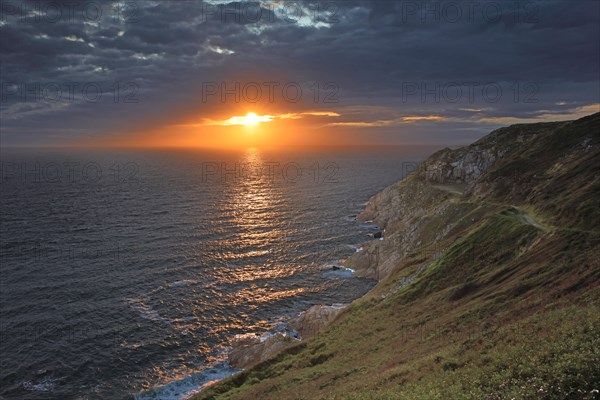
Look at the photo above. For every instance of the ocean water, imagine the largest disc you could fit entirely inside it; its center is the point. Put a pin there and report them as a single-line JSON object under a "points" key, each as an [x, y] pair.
{"points": [[127, 273]]}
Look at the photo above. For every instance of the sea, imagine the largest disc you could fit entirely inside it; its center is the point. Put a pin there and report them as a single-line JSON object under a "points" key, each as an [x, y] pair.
{"points": [[127, 274]]}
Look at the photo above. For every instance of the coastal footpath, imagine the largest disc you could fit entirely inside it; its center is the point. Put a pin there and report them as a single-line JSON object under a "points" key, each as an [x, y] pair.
{"points": [[489, 283]]}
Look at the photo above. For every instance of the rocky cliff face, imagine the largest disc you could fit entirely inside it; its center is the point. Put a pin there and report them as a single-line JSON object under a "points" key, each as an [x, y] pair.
{"points": [[248, 351], [467, 164], [459, 166], [529, 165]]}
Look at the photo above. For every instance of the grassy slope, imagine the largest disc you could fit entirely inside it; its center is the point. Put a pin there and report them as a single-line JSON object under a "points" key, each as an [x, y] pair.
{"points": [[509, 309]]}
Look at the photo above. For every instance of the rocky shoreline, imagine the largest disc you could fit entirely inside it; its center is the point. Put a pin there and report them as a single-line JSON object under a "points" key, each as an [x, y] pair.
{"points": [[248, 350]]}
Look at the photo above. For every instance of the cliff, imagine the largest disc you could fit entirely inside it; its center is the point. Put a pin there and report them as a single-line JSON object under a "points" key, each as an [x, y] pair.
{"points": [[489, 282], [546, 171]]}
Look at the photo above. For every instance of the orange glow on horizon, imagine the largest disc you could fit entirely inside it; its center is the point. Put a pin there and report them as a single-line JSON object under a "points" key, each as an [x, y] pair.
{"points": [[244, 128], [249, 128]]}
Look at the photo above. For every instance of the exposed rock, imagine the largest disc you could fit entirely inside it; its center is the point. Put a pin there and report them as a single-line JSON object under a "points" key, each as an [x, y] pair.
{"points": [[314, 320], [413, 212], [248, 351], [458, 166], [467, 164]]}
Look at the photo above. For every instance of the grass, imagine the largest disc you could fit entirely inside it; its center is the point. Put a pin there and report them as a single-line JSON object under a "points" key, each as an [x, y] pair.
{"points": [[554, 356]]}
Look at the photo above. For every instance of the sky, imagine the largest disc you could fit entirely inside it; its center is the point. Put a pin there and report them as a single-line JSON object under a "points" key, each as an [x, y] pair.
{"points": [[221, 73]]}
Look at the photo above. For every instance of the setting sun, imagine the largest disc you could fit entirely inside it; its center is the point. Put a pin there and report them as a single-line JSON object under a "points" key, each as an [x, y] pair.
{"points": [[251, 119]]}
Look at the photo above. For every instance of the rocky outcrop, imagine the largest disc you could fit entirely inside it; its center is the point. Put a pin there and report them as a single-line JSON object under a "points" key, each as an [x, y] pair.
{"points": [[314, 320], [398, 205], [414, 213], [463, 166], [248, 350], [467, 164]]}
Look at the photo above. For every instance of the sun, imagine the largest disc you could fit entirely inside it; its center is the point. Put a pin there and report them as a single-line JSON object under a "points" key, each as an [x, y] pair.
{"points": [[251, 119]]}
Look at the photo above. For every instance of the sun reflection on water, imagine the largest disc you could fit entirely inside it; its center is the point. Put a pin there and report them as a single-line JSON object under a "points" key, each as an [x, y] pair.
{"points": [[256, 201]]}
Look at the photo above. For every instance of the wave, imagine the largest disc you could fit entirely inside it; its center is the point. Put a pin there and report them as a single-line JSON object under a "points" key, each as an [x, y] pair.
{"points": [[146, 311], [189, 385], [43, 385]]}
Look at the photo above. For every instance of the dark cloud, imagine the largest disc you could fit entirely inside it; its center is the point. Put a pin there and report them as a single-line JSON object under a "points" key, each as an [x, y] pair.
{"points": [[407, 56]]}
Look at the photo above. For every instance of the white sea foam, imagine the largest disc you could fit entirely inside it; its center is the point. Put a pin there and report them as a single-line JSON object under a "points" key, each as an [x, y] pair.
{"points": [[188, 386], [43, 385], [339, 272], [356, 247], [146, 311]]}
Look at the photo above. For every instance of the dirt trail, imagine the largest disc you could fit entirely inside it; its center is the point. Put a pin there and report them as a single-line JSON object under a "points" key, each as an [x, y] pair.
{"points": [[454, 189], [525, 217]]}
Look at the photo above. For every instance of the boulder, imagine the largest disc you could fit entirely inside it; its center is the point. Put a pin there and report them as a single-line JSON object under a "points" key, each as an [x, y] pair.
{"points": [[314, 320], [248, 351]]}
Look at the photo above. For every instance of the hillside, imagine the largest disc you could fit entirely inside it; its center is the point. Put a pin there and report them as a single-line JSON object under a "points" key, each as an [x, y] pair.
{"points": [[489, 282]]}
